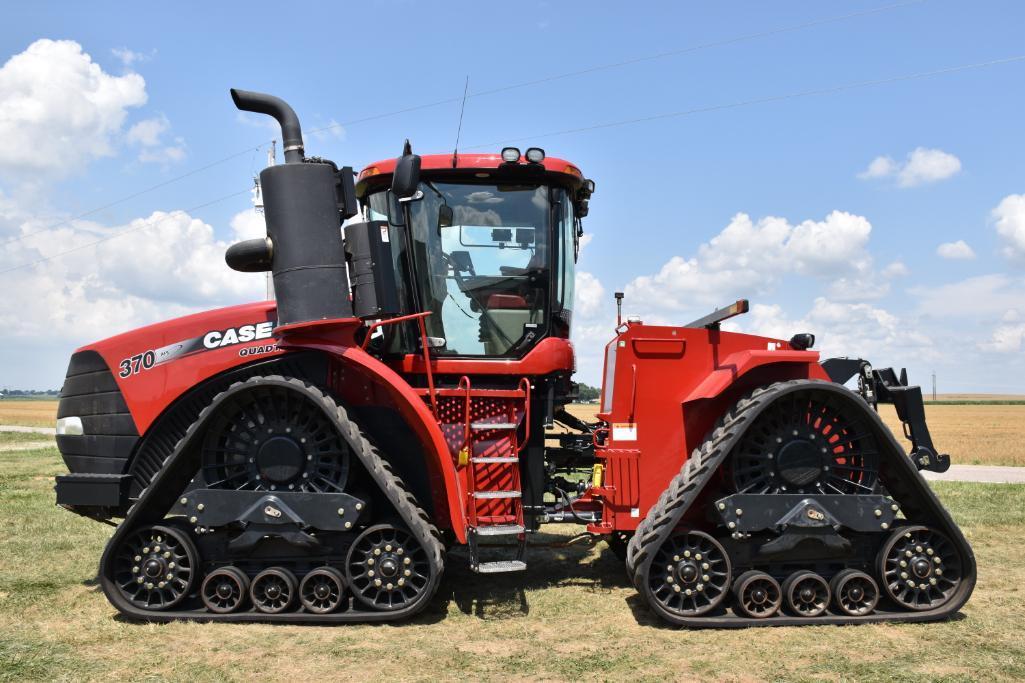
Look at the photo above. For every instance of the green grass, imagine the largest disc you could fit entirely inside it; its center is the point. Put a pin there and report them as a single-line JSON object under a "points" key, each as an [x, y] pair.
{"points": [[572, 615]]}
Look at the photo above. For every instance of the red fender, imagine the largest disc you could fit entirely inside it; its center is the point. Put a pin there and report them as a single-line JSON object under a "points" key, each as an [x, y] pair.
{"points": [[738, 364], [449, 505]]}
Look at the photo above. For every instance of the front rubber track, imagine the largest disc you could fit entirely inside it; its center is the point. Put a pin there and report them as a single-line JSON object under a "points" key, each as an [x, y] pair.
{"points": [[181, 466], [900, 476]]}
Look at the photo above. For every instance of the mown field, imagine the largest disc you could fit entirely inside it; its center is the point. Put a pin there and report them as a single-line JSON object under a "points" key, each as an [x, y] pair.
{"points": [[973, 433], [572, 615]]}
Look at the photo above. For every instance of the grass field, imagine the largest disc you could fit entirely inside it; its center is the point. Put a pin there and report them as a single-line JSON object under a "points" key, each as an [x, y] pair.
{"points": [[571, 615]]}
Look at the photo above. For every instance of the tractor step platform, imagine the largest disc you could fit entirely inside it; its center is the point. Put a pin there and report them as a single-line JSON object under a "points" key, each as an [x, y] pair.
{"points": [[486, 495], [493, 459], [499, 530], [493, 426], [500, 567]]}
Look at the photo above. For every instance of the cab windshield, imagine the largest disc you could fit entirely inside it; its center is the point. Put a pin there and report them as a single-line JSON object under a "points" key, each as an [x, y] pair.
{"points": [[482, 263]]}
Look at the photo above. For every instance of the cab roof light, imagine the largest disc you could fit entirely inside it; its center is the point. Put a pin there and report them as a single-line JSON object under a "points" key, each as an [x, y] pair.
{"points": [[573, 170], [535, 155], [369, 171], [510, 155]]}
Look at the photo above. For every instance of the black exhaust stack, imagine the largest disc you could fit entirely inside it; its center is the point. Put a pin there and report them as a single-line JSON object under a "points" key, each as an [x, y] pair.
{"points": [[305, 202]]}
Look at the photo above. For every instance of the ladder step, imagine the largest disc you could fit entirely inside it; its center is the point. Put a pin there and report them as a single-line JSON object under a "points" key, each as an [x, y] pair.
{"points": [[499, 567], [493, 426], [494, 458], [496, 494], [498, 530]]}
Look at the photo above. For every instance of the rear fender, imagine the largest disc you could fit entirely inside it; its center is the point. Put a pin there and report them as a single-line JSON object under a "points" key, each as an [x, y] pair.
{"points": [[361, 379]]}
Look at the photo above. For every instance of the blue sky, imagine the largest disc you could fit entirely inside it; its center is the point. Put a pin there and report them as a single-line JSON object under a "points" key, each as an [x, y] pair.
{"points": [[776, 201]]}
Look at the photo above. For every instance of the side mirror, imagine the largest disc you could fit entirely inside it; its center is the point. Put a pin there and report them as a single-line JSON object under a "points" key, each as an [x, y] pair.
{"points": [[406, 178]]}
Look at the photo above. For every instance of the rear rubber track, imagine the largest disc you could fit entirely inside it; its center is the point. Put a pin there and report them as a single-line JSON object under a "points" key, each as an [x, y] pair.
{"points": [[181, 465], [901, 477]]}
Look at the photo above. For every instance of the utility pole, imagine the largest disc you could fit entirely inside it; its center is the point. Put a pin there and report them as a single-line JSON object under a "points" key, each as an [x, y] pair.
{"points": [[934, 386], [258, 206]]}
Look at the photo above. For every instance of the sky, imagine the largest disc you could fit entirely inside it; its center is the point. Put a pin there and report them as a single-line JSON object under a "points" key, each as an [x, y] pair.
{"points": [[830, 162]]}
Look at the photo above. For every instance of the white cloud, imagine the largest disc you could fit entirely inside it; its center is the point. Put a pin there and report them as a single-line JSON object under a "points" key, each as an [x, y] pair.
{"points": [[1010, 223], [170, 264], [59, 109], [842, 329], [983, 295], [130, 57], [923, 165], [1009, 336], [895, 269], [148, 134], [749, 258], [958, 250], [590, 295]]}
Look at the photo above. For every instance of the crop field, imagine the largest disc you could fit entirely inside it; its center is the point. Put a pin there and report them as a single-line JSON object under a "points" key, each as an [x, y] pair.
{"points": [[571, 615]]}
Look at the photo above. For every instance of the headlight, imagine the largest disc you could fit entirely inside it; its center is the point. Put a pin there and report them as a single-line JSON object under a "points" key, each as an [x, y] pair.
{"points": [[70, 426], [535, 155], [510, 155]]}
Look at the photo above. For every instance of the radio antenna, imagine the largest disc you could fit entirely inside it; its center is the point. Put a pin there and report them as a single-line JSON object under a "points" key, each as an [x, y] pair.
{"points": [[459, 130]]}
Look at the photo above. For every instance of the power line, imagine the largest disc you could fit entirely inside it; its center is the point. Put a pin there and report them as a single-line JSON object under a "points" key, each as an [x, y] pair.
{"points": [[147, 190], [758, 100], [493, 91], [146, 224], [629, 62]]}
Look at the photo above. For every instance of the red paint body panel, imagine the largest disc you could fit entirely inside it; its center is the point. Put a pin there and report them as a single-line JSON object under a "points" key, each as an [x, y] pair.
{"points": [[551, 354], [443, 162], [663, 393]]}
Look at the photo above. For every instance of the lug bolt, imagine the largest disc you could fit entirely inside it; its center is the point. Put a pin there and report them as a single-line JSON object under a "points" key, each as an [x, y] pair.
{"points": [[149, 586], [779, 439], [139, 580], [884, 525], [370, 573], [185, 501], [306, 475], [406, 561], [937, 560], [686, 553], [341, 512], [923, 586], [145, 550], [170, 565], [348, 525], [135, 570], [732, 525], [200, 507], [918, 548], [903, 575], [939, 572], [895, 507], [676, 588], [739, 512], [377, 551], [138, 558], [359, 506], [911, 584], [903, 563], [169, 577], [669, 567], [704, 577], [670, 579], [676, 558], [370, 561], [377, 582], [722, 506], [388, 547], [309, 457], [704, 565], [908, 553], [389, 586], [824, 450], [400, 550], [932, 580], [698, 557], [401, 582], [689, 592], [193, 520], [878, 513], [700, 587], [161, 584], [407, 573], [930, 551]]}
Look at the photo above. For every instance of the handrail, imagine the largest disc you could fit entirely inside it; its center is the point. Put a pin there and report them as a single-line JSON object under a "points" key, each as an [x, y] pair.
{"points": [[526, 411], [419, 317], [466, 414]]}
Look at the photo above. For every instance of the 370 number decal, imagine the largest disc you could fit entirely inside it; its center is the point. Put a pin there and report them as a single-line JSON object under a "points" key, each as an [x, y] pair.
{"points": [[137, 363]]}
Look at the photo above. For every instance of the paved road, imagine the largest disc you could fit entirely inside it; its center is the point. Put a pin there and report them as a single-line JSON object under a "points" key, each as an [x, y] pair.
{"points": [[976, 473], [980, 473], [28, 430]]}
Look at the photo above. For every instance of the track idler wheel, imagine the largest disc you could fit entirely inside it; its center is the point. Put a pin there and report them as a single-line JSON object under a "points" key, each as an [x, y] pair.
{"points": [[854, 592], [155, 567], [224, 589], [387, 569], [322, 590], [689, 575], [273, 590], [756, 595], [920, 568], [806, 594]]}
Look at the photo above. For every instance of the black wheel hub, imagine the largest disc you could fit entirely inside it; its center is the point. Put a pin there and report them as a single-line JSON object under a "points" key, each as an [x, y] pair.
{"points": [[154, 568], [807, 442], [272, 438], [689, 575], [920, 568], [387, 569], [225, 589]]}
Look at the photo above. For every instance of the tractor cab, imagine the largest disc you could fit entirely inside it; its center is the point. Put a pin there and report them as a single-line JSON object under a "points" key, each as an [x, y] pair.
{"points": [[485, 243]]}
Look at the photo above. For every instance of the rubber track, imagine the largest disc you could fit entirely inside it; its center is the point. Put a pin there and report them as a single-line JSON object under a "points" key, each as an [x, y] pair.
{"points": [[912, 492], [180, 466]]}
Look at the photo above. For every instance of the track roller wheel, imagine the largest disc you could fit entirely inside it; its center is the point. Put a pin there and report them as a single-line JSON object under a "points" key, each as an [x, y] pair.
{"points": [[806, 593], [273, 590], [920, 568], [155, 567], [225, 589], [757, 595], [854, 592], [387, 569], [322, 590], [689, 575]]}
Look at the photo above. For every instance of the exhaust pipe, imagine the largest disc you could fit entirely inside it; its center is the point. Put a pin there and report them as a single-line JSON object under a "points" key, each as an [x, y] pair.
{"points": [[291, 131], [303, 209]]}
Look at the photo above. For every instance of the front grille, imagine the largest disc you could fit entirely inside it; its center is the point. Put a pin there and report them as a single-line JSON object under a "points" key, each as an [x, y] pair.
{"points": [[91, 393]]}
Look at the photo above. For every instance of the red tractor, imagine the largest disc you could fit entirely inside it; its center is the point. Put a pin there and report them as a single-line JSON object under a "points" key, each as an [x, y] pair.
{"points": [[310, 459]]}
